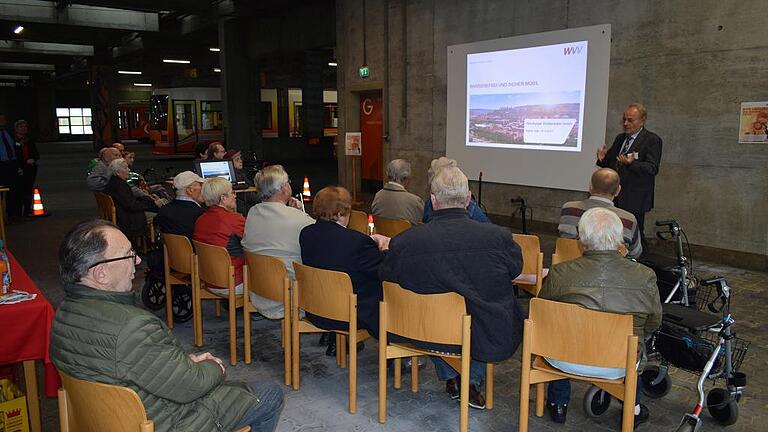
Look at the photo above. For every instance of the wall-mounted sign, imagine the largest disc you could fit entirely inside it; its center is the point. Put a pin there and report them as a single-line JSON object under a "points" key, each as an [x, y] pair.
{"points": [[352, 143], [753, 124], [364, 72]]}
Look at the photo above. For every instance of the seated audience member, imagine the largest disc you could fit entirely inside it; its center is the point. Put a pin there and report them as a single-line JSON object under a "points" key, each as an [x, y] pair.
{"points": [[98, 176], [603, 188], [475, 212], [216, 151], [129, 208], [180, 215], [453, 253], [201, 151], [245, 200], [328, 244], [221, 225], [394, 201], [93, 162], [99, 335], [273, 226], [605, 281]]}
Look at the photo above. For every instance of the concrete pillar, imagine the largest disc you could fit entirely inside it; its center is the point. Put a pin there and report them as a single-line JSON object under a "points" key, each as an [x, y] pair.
{"points": [[103, 88], [47, 126], [312, 93], [240, 89]]}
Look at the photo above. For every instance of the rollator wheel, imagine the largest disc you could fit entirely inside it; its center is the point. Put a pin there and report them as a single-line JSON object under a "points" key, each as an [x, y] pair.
{"points": [[722, 407], [182, 303], [153, 293], [655, 391], [596, 401]]}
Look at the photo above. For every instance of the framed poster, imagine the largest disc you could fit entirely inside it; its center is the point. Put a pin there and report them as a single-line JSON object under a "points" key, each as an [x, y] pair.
{"points": [[753, 122], [352, 143]]}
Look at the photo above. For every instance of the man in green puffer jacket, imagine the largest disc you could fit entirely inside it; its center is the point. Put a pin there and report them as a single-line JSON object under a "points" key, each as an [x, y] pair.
{"points": [[99, 335]]}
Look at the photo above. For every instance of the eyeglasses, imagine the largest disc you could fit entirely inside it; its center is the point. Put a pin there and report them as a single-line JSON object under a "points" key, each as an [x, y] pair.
{"points": [[131, 255]]}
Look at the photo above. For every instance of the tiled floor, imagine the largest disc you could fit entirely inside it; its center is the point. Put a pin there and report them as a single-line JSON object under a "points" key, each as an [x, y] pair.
{"points": [[321, 403]]}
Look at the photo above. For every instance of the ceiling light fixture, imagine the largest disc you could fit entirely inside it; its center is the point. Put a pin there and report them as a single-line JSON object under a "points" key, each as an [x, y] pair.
{"points": [[332, 63], [214, 49], [142, 84], [18, 29], [216, 70], [176, 61], [127, 72]]}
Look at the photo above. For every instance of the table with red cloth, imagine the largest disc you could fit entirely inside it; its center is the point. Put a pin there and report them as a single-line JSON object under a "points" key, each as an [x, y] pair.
{"points": [[26, 336]]}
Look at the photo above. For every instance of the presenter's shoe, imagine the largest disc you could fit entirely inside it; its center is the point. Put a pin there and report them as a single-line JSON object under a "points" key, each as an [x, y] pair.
{"points": [[557, 412]]}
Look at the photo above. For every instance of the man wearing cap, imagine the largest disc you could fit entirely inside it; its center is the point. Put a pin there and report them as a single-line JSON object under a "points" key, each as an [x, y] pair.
{"points": [[180, 215]]}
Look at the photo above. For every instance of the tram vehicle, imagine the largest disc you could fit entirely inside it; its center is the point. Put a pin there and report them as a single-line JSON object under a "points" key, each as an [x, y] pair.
{"points": [[133, 120], [180, 118]]}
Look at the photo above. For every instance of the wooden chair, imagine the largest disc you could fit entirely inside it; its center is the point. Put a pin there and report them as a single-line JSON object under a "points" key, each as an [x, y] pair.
{"points": [[390, 227], [571, 333], [435, 318], [328, 294], [533, 274], [358, 221], [179, 268], [86, 406], [565, 250], [266, 276], [214, 268], [105, 207]]}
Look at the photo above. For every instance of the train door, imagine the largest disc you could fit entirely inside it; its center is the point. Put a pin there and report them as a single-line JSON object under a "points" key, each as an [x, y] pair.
{"points": [[139, 122], [185, 122]]}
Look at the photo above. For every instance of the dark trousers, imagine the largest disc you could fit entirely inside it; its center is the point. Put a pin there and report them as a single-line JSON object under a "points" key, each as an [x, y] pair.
{"points": [[640, 216], [263, 417], [559, 392], [9, 177]]}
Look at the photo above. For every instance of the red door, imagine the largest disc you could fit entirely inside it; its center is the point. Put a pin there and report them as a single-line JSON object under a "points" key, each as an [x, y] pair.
{"points": [[372, 131]]}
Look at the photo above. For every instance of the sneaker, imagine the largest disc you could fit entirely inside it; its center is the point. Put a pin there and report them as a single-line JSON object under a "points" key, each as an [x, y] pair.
{"points": [[452, 387], [557, 412], [476, 399]]}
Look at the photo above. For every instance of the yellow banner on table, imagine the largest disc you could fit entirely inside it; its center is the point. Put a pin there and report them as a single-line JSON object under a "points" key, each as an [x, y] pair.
{"points": [[13, 415]]}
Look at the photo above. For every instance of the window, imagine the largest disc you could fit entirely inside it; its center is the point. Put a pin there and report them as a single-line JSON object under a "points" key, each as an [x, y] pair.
{"points": [[211, 115], [74, 121]]}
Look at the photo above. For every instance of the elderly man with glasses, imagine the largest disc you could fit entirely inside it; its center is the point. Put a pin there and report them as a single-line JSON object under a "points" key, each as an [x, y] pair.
{"points": [[99, 335]]}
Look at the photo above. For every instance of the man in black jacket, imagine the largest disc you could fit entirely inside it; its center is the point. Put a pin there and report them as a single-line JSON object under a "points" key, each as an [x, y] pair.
{"points": [[179, 216], [636, 156], [453, 253]]}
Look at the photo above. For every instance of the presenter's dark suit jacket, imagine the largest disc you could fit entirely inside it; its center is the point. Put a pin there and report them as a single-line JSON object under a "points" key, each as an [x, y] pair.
{"points": [[638, 179], [330, 246]]}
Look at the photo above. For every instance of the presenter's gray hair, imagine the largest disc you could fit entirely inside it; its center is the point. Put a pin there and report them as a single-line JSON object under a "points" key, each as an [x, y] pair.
{"points": [[270, 180], [399, 170], [214, 188], [116, 165], [600, 229], [438, 164], [450, 187]]}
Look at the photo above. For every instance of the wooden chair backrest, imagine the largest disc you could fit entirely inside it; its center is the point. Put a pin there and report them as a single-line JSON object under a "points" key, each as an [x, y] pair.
{"points": [[390, 227], [530, 248], [358, 221], [572, 333], [435, 318], [214, 267], [325, 293], [566, 250], [98, 407], [179, 252], [266, 276], [105, 207]]}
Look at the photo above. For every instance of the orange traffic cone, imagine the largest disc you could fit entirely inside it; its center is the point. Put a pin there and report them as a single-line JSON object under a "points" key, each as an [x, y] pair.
{"points": [[306, 194], [371, 228], [37, 204]]}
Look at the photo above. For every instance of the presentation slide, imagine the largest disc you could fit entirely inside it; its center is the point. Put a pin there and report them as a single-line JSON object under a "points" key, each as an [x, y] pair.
{"points": [[530, 109], [527, 98], [210, 169]]}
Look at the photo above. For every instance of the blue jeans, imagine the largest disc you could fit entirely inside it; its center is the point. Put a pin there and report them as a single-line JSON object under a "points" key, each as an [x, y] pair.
{"points": [[559, 392], [445, 371], [264, 416]]}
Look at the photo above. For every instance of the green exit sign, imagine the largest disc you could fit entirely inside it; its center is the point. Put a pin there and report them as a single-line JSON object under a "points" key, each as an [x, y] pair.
{"points": [[364, 72]]}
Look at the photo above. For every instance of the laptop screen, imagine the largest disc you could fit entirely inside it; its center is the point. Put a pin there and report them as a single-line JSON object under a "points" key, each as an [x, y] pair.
{"points": [[216, 168]]}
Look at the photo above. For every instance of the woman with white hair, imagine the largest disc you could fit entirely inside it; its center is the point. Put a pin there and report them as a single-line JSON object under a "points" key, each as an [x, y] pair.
{"points": [[475, 212], [129, 208]]}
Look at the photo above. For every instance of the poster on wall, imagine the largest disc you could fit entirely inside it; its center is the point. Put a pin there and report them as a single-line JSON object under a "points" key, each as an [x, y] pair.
{"points": [[753, 122], [352, 143]]}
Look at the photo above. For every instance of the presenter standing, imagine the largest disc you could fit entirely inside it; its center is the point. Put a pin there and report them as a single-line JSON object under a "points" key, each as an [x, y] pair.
{"points": [[636, 156]]}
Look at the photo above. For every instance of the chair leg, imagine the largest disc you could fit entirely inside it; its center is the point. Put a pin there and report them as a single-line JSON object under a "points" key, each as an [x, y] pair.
{"points": [[382, 363], [628, 410], [287, 349], [398, 375], [540, 399], [342, 349], [414, 374], [217, 305], [489, 386], [247, 331], [464, 402], [197, 315], [295, 353], [352, 372], [169, 305], [232, 328], [338, 349]]}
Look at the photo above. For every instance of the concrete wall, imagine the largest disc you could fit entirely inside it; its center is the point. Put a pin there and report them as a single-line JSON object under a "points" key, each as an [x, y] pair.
{"points": [[690, 62]]}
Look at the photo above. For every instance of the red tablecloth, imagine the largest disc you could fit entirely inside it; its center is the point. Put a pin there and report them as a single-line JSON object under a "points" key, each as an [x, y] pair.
{"points": [[26, 328]]}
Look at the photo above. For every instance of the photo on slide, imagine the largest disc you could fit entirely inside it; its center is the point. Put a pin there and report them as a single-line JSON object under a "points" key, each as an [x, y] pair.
{"points": [[544, 119]]}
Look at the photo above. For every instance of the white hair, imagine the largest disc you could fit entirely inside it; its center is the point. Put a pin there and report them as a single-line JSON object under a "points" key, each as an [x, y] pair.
{"points": [[438, 164], [214, 188], [450, 187], [270, 180], [116, 165], [399, 170], [600, 229]]}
